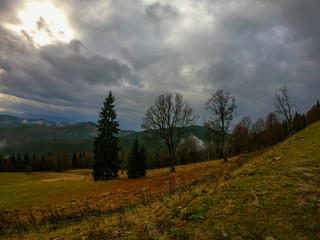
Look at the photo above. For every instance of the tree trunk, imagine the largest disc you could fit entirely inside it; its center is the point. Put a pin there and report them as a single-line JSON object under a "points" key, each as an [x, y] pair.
{"points": [[225, 154], [224, 150], [172, 163]]}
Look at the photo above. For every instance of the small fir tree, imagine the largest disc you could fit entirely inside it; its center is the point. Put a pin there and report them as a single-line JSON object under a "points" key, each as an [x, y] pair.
{"points": [[106, 144], [137, 163]]}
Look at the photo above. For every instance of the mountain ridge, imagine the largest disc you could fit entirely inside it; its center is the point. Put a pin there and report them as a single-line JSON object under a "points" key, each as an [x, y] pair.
{"points": [[41, 136]]}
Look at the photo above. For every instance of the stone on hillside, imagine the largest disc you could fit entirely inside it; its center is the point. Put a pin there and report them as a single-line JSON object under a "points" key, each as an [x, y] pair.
{"points": [[269, 238], [224, 234], [151, 228], [256, 200]]}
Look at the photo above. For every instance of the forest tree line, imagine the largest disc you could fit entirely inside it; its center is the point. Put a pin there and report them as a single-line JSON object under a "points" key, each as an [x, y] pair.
{"points": [[58, 162], [246, 136]]}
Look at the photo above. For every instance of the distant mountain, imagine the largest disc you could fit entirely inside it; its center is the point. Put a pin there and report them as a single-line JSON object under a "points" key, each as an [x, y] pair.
{"points": [[38, 116], [12, 121], [8, 120], [41, 136], [46, 117]]}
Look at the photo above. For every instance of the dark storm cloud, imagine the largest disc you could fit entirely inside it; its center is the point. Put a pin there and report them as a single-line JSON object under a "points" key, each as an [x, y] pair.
{"points": [[57, 73], [68, 62], [303, 18]]}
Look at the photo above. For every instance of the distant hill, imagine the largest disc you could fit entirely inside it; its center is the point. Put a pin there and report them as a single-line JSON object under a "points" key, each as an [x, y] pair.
{"points": [[29, 115], [41, 136]]}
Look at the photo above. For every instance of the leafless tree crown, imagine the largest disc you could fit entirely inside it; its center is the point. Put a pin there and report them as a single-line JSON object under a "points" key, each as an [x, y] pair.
{"points": [[284, 107], [168, 118], [222, 109]]}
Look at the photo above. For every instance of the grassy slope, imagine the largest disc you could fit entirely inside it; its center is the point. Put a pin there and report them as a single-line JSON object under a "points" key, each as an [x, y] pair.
{"points": [[276, 194], [286, 182]]}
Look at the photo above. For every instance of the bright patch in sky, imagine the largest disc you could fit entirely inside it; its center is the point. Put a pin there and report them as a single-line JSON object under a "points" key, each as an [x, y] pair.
{"points": [[12, 100], [44, 23]]}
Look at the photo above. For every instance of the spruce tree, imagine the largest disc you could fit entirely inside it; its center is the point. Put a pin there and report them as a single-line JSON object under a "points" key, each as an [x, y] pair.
{"points": [[74, 161], [106, 144], [136, 164], [12, 163], [18, 167], [27, 163], [142, 163], [1, 164]]}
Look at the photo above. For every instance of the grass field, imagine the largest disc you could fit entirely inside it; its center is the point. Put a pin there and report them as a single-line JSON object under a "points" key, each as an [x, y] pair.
{"points": [[272, 194], [21, 190]]}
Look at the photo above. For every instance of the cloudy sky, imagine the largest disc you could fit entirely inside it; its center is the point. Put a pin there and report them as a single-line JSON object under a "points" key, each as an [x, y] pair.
{"points": [[60, 58]]}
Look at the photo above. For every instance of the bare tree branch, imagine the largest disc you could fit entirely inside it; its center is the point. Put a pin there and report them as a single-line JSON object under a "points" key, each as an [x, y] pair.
{"points": [[169, 118], [284, 107], [222, 109]]}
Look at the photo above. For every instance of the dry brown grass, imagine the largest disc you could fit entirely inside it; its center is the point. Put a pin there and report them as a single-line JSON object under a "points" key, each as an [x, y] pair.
{"points": [[63, 176], [109, 196]]}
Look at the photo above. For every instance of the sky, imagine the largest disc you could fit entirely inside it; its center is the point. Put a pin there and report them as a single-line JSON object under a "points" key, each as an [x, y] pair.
{"points": [[61, 58]]}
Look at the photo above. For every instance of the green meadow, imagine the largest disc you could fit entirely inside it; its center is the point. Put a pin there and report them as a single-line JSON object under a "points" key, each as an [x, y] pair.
{"points": [[20, 190]]}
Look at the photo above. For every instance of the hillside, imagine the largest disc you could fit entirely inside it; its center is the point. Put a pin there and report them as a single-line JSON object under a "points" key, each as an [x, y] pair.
{"points": [[40, 136], [273, 194]]}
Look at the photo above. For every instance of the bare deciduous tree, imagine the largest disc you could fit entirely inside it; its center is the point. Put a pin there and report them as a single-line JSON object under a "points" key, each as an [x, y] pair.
{"points": [[240, 138], [169, 118], [284, 107], [222, 109], [246, 122], [258, 126]]}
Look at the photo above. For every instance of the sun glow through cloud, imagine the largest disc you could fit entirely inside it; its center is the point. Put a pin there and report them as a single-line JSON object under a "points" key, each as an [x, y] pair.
{"points": [[44, 23]]}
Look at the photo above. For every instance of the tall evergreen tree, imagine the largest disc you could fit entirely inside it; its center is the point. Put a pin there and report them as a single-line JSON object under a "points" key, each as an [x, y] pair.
{"points": [[106, 144], [26, 163], [19, 166], [74, 161], [12, 163], [1, 164], [137, 163]]}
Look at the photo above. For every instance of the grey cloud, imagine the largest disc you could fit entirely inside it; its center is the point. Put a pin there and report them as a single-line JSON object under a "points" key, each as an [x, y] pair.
{"points": [[41, 24], [57, 73], [122, 31], [303, 18], [161, 15], [8, 10], [259, 55], [73, 65]]}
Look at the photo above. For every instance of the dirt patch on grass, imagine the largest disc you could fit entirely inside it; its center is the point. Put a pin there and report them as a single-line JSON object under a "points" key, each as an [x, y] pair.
{"points": [[63, 176]]}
